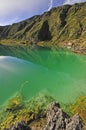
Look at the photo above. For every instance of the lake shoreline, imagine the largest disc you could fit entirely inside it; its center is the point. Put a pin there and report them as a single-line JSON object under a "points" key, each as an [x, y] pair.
{"points": [[10, 49]]}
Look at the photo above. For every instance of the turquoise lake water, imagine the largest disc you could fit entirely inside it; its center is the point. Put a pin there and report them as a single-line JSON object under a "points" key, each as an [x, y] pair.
{"points": [[59, 73]]}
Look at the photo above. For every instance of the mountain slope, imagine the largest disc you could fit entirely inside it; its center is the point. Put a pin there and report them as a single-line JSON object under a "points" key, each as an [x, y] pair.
{"points": [[65, 23]]}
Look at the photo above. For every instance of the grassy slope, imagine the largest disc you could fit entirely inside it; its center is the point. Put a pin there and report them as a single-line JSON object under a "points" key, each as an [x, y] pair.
{"points": [[66, 23]]}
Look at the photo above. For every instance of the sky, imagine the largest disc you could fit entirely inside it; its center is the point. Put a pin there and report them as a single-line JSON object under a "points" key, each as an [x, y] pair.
{"points": [[12, 11]]}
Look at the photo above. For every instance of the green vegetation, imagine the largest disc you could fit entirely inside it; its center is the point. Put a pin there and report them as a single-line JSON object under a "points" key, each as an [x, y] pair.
{"points": [[18, 109], [79, 107]]}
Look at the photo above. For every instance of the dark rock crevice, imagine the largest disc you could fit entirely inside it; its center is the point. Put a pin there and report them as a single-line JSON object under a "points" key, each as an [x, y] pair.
{"points": [[63, 15], [44, 33]]}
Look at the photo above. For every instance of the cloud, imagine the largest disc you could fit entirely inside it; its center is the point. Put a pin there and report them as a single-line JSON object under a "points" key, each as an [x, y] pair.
{"points": [[73, 1], [12, 11], [50, 5], [15, 10]]}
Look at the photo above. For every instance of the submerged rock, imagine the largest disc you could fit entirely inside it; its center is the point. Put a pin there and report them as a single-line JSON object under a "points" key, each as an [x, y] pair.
{"points": [[59, 120]]}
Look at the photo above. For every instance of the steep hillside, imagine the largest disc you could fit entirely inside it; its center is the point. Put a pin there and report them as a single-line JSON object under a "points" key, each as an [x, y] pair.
{"points": [[64, 26]]}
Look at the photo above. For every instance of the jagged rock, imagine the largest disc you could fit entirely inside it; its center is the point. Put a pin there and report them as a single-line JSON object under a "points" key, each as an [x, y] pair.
{"points": [[20, 126], [75, 124], [57, 119]]}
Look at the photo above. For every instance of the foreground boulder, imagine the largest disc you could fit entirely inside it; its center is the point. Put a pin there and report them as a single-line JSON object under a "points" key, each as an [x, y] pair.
{"points": [[20, 126], [59, 120]]}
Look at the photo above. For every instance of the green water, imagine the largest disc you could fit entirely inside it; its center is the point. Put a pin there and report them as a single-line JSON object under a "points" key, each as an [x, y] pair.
{"points": [[59, 73]]}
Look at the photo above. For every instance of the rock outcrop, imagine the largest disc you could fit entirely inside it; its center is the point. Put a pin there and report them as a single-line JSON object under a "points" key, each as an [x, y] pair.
{"points": [[59, 120]]}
